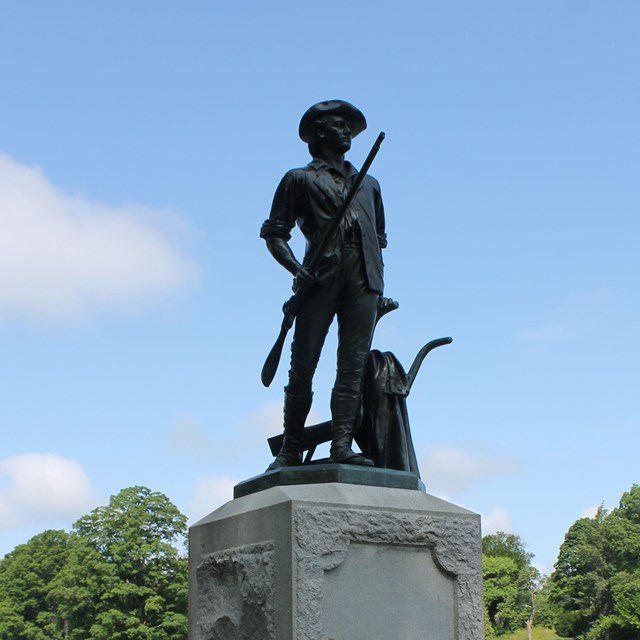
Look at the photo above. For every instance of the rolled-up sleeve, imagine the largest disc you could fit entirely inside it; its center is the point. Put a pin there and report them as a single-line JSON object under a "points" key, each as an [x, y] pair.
{"points": [[283, 210]]}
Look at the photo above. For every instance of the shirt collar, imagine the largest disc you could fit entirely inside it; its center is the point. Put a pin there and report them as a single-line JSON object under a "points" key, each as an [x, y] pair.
{"points": [[319, 163]]}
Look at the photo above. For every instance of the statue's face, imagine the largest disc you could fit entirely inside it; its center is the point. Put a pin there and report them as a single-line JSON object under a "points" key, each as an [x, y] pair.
{"points": [[336, 135]]}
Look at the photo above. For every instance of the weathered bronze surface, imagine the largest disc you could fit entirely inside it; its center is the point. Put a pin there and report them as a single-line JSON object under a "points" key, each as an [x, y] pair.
{"points": [[341, 216]]}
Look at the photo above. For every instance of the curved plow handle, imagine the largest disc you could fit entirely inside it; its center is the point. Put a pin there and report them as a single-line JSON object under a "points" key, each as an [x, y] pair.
{"points": [[422, 354]]}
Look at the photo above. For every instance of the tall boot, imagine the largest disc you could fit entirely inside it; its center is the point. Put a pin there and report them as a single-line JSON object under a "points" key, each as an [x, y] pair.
{"points": [[344, 410], [296, 409]]}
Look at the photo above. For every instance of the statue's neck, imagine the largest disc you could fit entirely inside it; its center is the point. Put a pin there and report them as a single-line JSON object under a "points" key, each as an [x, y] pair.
{"points": [[333, 159]]}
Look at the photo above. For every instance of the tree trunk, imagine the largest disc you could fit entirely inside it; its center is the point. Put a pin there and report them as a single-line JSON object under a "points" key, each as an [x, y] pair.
{"points": [[532, 615]]}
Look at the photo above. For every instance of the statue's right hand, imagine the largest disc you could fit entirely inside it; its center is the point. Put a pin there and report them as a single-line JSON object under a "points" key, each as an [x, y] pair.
{"points": [[302, 280]]}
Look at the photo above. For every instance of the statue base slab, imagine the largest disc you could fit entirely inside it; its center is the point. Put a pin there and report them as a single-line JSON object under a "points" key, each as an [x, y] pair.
{"points": [[329, 472], [336, 561]]}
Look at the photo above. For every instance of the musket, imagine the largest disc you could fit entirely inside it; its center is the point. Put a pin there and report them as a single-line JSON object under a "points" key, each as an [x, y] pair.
{"points": [[292, 307]]}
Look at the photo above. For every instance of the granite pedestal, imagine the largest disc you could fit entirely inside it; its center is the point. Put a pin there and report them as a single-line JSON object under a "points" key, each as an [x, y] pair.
{"points": [[336, 561]]}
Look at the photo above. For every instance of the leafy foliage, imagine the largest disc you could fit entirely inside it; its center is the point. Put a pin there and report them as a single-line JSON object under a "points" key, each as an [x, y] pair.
{"points": [[510, 582], [117, 576], [579, 582], [507, 545], [596, 583], [545, 611], [26, 610]]}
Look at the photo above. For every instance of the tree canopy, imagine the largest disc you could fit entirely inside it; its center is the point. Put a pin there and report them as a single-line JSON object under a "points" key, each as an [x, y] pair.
{"points": [[26, 611], [117, 576], [595, 586], [507, 545], [510, 582]]}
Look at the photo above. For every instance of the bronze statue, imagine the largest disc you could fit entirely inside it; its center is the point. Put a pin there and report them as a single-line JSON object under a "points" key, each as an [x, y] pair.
{"points": [[341, 274]]}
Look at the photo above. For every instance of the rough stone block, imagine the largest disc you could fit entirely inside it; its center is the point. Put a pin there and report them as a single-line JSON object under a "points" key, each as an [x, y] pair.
{"points": [[336, 562]]}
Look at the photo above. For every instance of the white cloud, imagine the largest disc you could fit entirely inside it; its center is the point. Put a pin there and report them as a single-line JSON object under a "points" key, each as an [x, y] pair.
{"points": [[249, 435], [62, 256], [449, 471], [497, 520], [188, 437], [38, 487], [210, 493], [266, 421]]}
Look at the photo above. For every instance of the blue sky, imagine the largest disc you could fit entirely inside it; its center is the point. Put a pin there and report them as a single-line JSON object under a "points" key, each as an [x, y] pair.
{"points": [[140, 146]]}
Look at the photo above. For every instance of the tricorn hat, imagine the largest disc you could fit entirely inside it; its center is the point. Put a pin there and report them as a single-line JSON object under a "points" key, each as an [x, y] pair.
{"points": [[331, 107]]}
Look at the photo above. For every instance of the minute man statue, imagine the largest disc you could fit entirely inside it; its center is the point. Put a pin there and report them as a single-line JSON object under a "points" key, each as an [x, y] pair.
{"points": [[346, 280]]}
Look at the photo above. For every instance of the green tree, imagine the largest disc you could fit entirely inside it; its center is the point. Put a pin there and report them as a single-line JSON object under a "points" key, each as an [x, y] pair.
{"points": [[502, 597], [510, 582], [622, 532], [507, 545], [545, 611], [596, 583], [489, 632], [26, 574], [125, 580], [622, 553], [580, 579]]}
